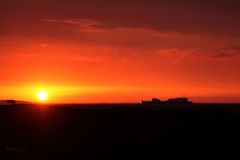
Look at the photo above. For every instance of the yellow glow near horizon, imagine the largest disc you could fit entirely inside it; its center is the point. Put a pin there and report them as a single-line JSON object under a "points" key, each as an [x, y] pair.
{"points": [[42, 96]]}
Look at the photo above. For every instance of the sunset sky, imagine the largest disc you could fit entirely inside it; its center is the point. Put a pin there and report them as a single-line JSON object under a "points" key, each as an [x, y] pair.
{"points": [[82, 51]]}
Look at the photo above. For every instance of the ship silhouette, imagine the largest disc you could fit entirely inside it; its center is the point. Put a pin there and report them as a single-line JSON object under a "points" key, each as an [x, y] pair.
{"points": [[169, 101]]}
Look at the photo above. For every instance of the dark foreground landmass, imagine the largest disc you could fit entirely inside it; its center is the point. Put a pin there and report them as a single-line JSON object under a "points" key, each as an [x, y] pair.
{"points": [[120, 131]]}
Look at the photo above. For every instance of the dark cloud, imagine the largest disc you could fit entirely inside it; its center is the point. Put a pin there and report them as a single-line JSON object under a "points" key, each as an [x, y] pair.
{"points": [[218, 17], [135, 24]]}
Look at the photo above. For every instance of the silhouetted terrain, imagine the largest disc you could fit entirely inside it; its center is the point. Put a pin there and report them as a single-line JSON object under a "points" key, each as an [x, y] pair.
{"points": [[120, 131]]}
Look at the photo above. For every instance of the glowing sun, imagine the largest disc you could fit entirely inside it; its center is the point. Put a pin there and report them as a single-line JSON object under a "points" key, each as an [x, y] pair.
{"points": [[42, 96]]}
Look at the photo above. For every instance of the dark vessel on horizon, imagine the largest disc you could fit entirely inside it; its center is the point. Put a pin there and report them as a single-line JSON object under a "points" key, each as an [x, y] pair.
{"points": [[169, 101]]}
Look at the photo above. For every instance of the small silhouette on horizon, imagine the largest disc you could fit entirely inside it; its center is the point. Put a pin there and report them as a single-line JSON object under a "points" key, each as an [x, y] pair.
{"points": [[11, 102], [169, 101]]}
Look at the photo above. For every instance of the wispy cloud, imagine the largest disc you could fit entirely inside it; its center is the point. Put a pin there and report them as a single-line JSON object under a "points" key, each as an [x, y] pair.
{"points": [[197, 52], [81, 25]]}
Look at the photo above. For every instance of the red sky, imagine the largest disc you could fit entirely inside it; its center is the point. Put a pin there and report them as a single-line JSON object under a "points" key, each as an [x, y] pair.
{"points": [[120, 51]]}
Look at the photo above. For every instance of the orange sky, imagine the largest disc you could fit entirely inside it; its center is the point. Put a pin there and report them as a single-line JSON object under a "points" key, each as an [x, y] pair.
{"points": [[86, 56]]}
